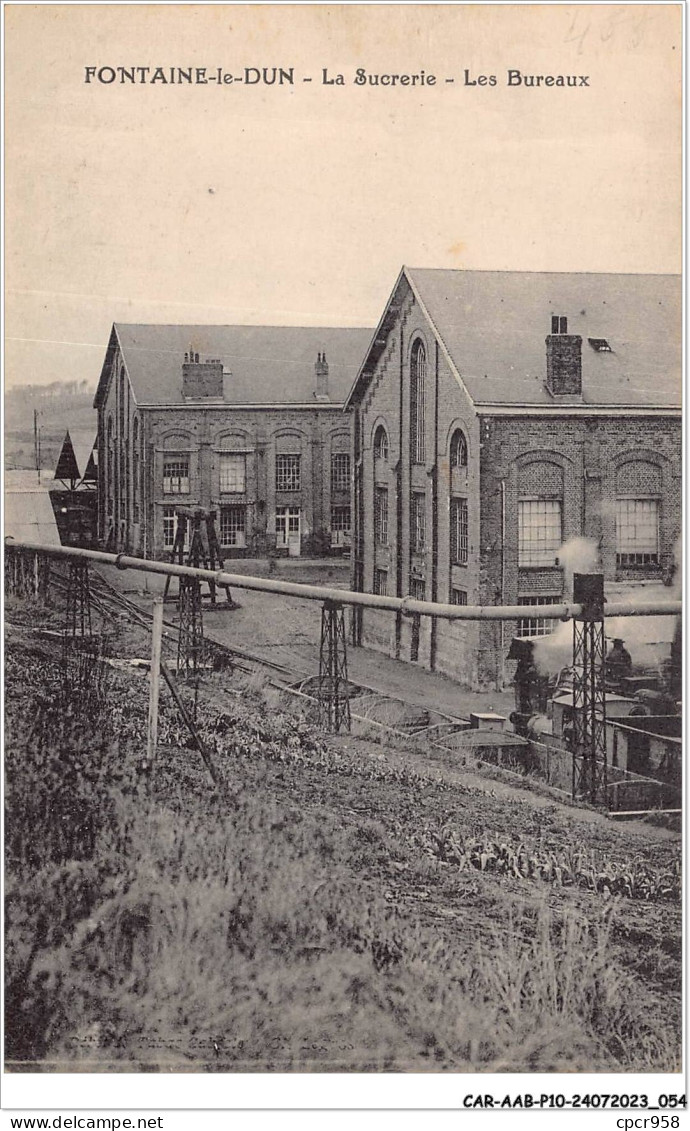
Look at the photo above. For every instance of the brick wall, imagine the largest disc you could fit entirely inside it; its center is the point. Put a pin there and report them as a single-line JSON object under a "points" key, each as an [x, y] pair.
{"points": [[387, 402], [588, 463], [202, 433], [583, 463], [118, 492]]}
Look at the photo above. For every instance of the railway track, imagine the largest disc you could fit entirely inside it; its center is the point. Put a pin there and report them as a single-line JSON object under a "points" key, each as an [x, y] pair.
{"points": [[109, 600], [366, 702]]}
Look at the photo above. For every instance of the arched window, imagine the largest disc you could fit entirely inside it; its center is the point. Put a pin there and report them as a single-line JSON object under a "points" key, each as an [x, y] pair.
{"points": [[121, 404], [417, 377], [176, 463], [135, 470], [381, 443], [109, 466], [638, 513], [458, 449], [541, 491]]}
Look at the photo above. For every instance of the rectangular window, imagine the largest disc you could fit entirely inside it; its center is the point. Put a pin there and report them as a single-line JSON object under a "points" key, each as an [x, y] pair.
{"points": [[418, 593], [418, 524], [418, 588], [287, 473], [459, 532], [168, 527], [135, 487], [110, 484], [381, 515], [340, 525], [417, 406], [537, 626], [637, 532], [539, 531], [233, 473], [340, 471], [124, 480], [233, 526], [176, 475], [340, 519], [287, 525], [458, 596], [381, 582]]}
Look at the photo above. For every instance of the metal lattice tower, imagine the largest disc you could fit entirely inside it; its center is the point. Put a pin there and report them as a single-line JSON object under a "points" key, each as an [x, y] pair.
{"points": [[81, 671], [190, 643], [334, 702], [590, 778], [204, 548], [78, 609]]}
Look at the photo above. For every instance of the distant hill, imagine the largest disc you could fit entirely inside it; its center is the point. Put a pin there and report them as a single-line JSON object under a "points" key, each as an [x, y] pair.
{"points": [[62, 405]]}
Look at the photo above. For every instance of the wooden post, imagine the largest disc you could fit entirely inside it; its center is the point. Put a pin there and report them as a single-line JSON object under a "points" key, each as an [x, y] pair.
{"points": [[155, 678], [208, 761]]}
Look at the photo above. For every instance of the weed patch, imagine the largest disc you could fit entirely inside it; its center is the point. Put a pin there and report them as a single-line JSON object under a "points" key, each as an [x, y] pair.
{"points": [[340, 912]]}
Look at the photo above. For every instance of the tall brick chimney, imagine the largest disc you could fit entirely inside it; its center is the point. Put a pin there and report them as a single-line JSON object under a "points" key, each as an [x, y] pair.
{"points": [[563, 360], [201, 379], [321, 368]]}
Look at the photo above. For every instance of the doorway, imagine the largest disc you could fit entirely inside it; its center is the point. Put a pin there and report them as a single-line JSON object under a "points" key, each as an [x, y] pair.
{"points": [[289, 530]]}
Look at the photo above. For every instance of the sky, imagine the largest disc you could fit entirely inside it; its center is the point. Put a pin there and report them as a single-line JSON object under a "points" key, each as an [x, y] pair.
{"points": [[298, 204]]}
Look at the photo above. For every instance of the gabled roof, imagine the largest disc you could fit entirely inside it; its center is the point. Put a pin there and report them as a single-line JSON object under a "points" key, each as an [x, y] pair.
{"points": [[266, 364], [91, 471], [493, 326], [67, 467]]}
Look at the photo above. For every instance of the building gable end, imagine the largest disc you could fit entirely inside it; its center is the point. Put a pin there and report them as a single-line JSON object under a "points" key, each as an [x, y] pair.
{"points": [[437, 336]]}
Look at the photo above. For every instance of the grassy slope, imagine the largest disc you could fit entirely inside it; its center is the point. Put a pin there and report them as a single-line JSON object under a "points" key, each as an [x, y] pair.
{"points": [[322, 916]]}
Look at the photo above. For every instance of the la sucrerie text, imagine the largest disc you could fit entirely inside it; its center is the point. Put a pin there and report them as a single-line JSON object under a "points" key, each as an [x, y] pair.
{"points": [[513, 77]]}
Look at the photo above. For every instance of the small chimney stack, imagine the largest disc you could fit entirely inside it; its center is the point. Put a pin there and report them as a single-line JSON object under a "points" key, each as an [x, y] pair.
{"points": [[201, 379], [563, 360], [321, 369]]}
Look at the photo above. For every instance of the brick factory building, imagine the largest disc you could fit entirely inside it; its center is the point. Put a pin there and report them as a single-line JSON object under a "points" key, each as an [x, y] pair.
{"points": [[498, 416], [246, 420]]}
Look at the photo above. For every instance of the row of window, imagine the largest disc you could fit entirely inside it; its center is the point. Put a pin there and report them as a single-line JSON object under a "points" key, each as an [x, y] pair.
{"points": [[232, 525], [417, 588], [540, 537], [540, 531], [458, 443], [458, 447], [527, 626], [459, 524], [233, 473]]}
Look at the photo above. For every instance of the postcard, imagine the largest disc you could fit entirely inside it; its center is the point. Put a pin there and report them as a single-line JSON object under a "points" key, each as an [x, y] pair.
{"points": [[343, 515]]}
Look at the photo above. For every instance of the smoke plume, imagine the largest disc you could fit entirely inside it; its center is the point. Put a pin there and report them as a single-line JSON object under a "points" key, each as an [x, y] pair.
{"points": [[555, 651], [648, 639], [577, 555]]}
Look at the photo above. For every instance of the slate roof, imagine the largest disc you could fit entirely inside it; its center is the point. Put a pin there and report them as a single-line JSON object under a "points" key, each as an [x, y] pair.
{"points": [[268, 364], [494, 324], [28, 511]]}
